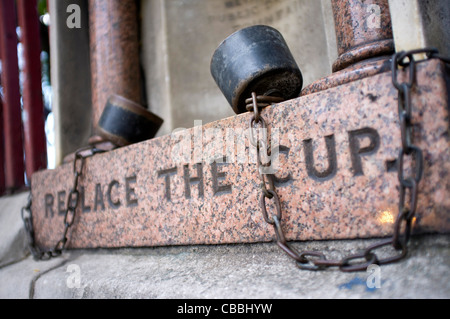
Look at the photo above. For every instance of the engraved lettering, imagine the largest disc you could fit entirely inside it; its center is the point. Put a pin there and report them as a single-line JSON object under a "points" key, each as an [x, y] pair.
{"points": [[188, 180], [356, 150], [167, 173], [49, 205], [84, 208], [391, 166], [98, 198], [281, 181], [112, 204], [61, 202], [240, 13], [131, 198], [332, 159], [73, 199], [217, 177]]}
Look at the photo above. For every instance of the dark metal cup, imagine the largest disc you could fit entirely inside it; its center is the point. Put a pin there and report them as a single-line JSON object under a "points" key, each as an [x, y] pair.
{"points": [[124, 122], [255, 59]]}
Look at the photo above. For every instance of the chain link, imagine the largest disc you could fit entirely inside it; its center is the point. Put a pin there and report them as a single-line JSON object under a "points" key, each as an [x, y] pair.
{"points": [[313, 260], [69, 214], [310, 260]]}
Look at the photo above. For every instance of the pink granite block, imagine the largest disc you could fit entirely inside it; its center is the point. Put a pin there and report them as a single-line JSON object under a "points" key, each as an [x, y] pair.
{"points": [[336, 177]]}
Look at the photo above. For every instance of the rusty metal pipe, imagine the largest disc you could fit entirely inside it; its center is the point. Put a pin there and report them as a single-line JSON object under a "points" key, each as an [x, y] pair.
{"points": [[2, 151], [33, 107], [12, 120]]}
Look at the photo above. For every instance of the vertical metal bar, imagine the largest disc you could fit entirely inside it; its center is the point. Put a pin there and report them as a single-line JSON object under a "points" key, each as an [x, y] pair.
{"points": [[12, 121], [2, 151], [33, 107]]}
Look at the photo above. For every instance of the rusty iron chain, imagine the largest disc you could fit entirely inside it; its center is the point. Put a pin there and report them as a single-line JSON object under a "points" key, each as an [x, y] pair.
{"points": [[69, 214], [309, 260], [315, 260]]}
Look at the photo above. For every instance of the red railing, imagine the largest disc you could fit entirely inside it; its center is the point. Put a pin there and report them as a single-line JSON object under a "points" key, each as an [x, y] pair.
{"points": [[23, 135]]}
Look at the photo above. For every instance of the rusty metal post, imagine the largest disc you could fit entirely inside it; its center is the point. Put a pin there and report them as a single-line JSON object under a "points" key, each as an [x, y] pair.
{"points": [[364, 40], [2, 151], [33, 107], [2, 154], [114, 52], [12, 121]]}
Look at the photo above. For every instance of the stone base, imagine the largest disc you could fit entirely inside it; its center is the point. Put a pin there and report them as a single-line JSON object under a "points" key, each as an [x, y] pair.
{"points": [[257, 271], [336, 176], [13, 240]]}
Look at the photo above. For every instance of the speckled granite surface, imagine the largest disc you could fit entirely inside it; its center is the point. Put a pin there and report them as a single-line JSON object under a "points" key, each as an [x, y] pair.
{"points": [[335, 179], [352, 73], [364, 41], [114, 43], [363, 30]]}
